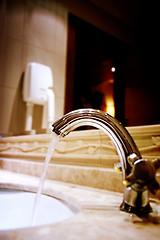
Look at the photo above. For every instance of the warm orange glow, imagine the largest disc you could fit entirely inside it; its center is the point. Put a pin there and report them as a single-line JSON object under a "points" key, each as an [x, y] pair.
{"points": [[110, 109]]}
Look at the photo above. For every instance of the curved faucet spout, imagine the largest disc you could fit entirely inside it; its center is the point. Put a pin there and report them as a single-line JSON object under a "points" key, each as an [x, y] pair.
{"points": [[122, 140], [138, 174]]}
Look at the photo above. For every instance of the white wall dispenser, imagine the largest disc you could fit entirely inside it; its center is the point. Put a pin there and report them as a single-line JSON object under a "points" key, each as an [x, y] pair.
{"points": [[38, 89]]}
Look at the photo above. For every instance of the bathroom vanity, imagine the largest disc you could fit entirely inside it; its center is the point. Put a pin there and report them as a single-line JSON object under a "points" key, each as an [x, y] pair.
{"points": [[81, 173]]}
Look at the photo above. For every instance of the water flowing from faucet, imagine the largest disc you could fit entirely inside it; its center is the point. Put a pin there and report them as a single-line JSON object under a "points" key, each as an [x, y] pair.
{"points": [[51, 148]]}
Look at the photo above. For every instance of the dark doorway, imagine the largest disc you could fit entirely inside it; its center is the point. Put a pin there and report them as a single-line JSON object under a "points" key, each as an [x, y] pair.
{"points": [[90, 78]]}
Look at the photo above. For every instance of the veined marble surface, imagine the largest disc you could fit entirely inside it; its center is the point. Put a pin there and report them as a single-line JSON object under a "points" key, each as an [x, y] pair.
{"points": [[83, 157], [99, 216], [81, 173], [82, 144]]}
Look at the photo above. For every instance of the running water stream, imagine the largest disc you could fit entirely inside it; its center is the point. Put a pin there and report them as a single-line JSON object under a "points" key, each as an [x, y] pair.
{"points": [[50, 151]]}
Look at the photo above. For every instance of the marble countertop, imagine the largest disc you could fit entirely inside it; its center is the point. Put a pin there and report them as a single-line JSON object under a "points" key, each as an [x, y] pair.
{"points": [[98, 217]]}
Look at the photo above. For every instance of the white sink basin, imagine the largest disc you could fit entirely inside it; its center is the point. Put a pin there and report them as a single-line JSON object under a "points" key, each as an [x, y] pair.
{"points": [[17, 206]]}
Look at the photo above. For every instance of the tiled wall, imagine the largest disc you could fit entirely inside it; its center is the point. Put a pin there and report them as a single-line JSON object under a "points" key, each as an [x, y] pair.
{"points": [[36, 30], [32, 31]]}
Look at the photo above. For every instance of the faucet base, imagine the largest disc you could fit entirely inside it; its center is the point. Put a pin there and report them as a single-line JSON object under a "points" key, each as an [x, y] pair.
{"points": [[139, 211]]}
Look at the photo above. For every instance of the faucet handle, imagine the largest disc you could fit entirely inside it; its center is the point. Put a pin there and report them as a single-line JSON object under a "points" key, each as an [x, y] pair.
{"points": [[144, 173]]}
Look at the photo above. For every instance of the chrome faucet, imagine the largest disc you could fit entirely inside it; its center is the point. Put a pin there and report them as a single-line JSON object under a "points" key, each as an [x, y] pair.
{"points": [[138, 174]]}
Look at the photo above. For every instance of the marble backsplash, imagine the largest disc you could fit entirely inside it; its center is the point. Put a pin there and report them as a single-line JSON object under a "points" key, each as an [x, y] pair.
{"points": [[83, 157]]}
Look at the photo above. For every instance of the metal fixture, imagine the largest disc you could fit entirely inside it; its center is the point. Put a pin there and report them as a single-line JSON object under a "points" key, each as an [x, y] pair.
{"points": [[138, 174]]}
